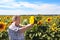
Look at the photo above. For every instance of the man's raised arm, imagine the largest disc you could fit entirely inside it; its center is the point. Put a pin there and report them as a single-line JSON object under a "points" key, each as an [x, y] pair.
{"points": [[24, 28]]}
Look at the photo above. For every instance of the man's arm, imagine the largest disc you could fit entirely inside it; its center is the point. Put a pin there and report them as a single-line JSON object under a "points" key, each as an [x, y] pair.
{"points": [[24, 28]]}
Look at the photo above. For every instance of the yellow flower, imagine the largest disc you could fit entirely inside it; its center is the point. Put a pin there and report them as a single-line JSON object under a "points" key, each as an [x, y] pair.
{"points": [[53, 27], [39, 22], [31, 20], [54, 24], [2, 26], [49, 19]]}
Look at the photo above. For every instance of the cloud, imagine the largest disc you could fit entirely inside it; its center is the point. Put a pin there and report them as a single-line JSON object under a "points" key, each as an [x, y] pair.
{"points": [[20, 8], [16, 12], [6, 1], [11, 12]]}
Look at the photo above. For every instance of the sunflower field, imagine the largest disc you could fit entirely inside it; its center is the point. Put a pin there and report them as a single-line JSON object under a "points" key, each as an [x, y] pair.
{"points": [[46, 27]]}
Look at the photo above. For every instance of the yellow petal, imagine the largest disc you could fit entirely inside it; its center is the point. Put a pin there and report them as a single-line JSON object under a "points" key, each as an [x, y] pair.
{"points": [[31, 20]]}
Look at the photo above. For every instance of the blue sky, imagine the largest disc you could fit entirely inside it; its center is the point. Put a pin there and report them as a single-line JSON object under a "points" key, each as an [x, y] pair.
{"points": [[44, 1], [29, 7]]}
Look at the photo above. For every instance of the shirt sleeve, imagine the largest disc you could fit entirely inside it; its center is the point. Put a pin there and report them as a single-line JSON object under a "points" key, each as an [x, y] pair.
{"points": [[17, 29], [14, 28]]}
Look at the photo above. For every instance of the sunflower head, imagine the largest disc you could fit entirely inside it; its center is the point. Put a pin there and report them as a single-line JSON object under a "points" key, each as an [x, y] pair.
{"points": [[31, 19], [48, 19], [53, 27], [2, 26], [39, 22]]}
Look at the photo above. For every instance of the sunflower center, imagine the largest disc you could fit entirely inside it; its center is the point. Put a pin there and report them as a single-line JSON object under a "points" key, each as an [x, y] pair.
{"points": [[48, 19], [1, 26]]}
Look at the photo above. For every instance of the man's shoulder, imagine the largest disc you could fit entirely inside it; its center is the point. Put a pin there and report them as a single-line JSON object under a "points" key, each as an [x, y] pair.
{"points": [[11, 26]]}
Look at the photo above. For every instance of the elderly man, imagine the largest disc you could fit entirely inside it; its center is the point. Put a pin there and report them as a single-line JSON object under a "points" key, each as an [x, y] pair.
{"points": [[15, 31]]}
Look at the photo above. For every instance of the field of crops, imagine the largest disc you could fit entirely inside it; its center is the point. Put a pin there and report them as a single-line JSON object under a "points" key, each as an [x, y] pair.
{"points": [[46, 27]]}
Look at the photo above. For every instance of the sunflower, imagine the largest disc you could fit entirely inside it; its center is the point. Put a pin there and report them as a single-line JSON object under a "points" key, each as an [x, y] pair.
{"points": [[31, 19], [49, 19], [53, 27], [2, 26], [39, 22]]}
